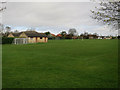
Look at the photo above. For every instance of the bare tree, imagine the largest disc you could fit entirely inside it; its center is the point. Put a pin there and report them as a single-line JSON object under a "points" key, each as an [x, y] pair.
{"points": [[2, 8], [1, 28], [72, 32], [108, 12], [7, 30], [16, 31]]}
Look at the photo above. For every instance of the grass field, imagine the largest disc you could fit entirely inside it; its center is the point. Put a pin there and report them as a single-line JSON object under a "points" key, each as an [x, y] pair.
{"points": [[61, 64]]}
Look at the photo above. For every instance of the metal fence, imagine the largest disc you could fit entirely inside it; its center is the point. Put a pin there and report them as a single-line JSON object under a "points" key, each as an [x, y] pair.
{"points": [[20, 41]]}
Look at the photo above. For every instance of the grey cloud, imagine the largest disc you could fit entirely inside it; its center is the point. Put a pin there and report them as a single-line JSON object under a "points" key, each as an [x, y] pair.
{"points": [[63, 15], [46, 13]]}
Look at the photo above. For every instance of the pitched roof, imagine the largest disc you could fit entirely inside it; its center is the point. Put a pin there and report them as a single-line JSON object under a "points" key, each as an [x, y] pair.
{"points": [[59, 35], [30, 34], [35, 34], [53, 35], [16, 34]]}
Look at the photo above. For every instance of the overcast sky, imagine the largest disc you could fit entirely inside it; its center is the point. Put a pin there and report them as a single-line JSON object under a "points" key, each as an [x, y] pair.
{"points": [[53, 16]]}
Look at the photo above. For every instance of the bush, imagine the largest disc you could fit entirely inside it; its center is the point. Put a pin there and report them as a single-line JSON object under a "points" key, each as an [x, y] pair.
{"points": [[6, 40], [113, 37], [51, 38]]}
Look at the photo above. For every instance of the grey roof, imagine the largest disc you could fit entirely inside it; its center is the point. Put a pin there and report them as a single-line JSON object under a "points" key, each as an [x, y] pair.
{"points": [[30, 34], [35, 34], [16, 34]]}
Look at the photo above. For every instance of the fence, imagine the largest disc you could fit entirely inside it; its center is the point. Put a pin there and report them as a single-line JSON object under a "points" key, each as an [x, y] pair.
{"points": [[20, 41]]}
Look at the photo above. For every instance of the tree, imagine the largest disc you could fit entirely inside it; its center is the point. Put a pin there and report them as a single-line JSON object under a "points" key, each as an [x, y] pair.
{"points": [[72, 32], [7, 30], [95, 34], [63, 33], [86, 34], [108, 12], [2, 8], [16, 31], [1, 28], [47, 33]]}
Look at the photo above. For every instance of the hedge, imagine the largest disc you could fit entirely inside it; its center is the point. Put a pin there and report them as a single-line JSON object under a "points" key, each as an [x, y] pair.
{"points": [[6, 40]]}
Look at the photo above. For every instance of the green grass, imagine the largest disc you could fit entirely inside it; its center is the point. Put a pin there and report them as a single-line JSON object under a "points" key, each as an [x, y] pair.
{"points": [[61, 64]]}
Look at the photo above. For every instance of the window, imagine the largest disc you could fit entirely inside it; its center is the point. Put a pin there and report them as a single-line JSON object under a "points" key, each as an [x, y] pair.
{"points": [[40, 37]]}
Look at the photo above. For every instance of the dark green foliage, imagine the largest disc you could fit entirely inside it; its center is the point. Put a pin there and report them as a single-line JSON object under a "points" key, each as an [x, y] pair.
{"points": [[6, 40], [51, 38], [63, 33], [47, 33], [118, 37], [114, 37], [87, 35], [68, 37]]}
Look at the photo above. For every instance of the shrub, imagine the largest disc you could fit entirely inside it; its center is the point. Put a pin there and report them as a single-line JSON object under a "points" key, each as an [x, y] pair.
{"points": [[51, 38], [6, 40]]}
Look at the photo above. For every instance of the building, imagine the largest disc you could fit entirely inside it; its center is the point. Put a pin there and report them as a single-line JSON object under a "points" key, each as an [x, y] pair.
{"points": [[108, 37], [58, 36], [51, 36], [88, 36], [16, 35], [74, 37], [32, 36]]}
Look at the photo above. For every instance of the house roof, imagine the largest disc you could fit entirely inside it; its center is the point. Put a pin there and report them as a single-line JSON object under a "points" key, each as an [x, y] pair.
{"points": [[53, 35], [16, 34], [35, 34], [30, 34], [59, 35]]}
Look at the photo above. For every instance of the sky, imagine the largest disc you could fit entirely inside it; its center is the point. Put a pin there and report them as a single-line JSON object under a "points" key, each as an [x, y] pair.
{"points": [[53, 16], [45, 0]]}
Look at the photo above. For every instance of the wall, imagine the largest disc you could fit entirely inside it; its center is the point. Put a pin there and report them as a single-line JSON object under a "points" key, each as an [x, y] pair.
{"points": [[23, 35], [91, 37], [33, 40], [44, 39], [10, 35]]}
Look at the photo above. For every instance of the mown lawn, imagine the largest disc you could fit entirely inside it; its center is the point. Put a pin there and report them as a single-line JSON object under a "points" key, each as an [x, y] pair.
{"points": [[61, 64]]}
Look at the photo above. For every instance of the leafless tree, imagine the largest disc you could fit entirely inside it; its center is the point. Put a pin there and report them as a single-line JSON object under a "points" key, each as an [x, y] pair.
{"points": [[73, 32], [16, 31], [107, 12], [7, 30], [2, 8]]}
